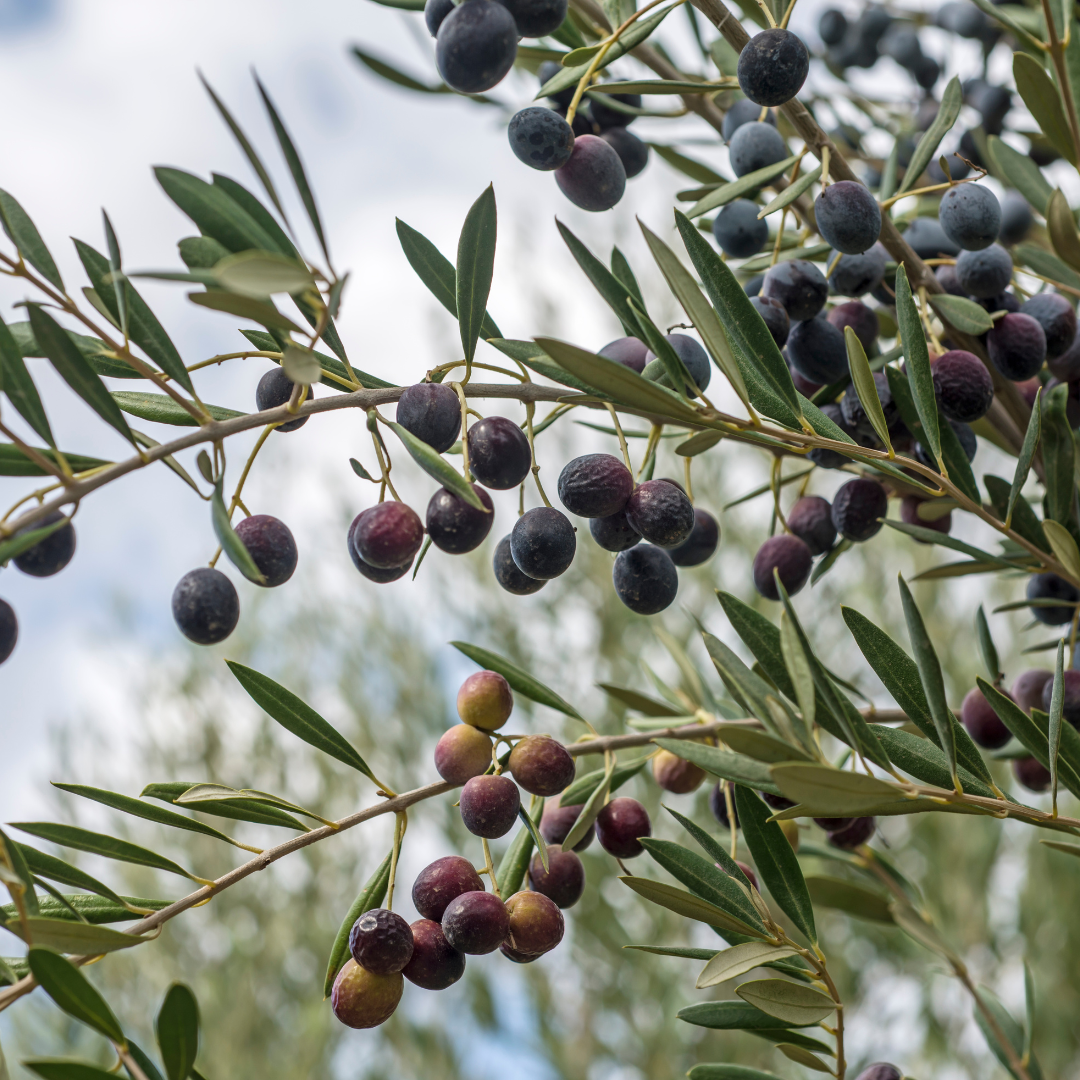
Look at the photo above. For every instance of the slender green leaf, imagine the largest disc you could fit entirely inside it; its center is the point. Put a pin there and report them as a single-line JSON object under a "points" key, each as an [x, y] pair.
{"points": [[1064, 547], [986, 645], [265, 342], [849, 897], [703, 879], [951, 101], [16, 382], [258, 274], [724, 1071], [475, 268], [674, 950], [759, 745], [614, 292], [930, 676], [1044, 102], [787, 1001], [49, 866], [620, 382], [160, 409], [74, 369], [57, 1069], [1057, 702], [71, 990], [799, 670], [803, 1057], [128, 805], [738, 768], [967, 316], [98, 844], [255, 209], [832, 791], [236, 810], [1061, 226], [583, 786], [641, 703], [917, 359], [738, 960], [213, 211], [23, 541], [437, 272], [699, 443], [245, 307], [863, 380], [531, 355], [65, 936], [733, 1016], [1058, 454], [1046, 263], [737, 189], [932, 536], [716, 853], [519, 679], [79, 907], [230, 542], [1024, 459], [745, 330], [620, 267], [698, 310], [687, 905], [515, 862], [150, 1070], [22, 232], [589, 811], [925, 760], [177, 1030], [775, 860], [296, 167], [245, 145], [119, 283], [437, 467], [1021, 173], [696, 170], [792, 192], [1013, 1032], [297, 716]]}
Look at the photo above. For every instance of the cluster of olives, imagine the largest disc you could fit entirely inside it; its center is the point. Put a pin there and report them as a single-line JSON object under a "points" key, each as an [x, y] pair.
{"points": [[594, 155]]}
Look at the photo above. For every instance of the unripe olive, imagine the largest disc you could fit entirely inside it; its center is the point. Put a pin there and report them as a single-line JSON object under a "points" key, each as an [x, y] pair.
{"points": [[676, 774], [790, 829], [541, 765], [536, 924], [362, 999], [485, 700], [462, 753]]}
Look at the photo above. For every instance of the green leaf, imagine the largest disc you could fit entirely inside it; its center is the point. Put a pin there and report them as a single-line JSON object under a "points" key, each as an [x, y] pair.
{"points": [[733, 1016], [714, 886], [641, 703], [759, 178], [437, 272], [143, 326], [128, 805], [738, 960], [230, 543], [177, 1030], [159, 409], [759, 745], [743, 326], [696, 170], [475, 267], [71, 990], [519, 679], [531, 355], [1058, 459], [926, 761], [1021, 173], [16, 382], [245, 307], [634, 36], [684, 954], [1061, 227], [865, 388], [49, 866], [917, 359], [932, 536], [787, 1001], [266, 221], [620, 267], [589, 811], [236, 810], [437, 467], [675, 373], [265, 342], [1064, 547], [1013, 1032], [583, 786], [298, 717], [715, 852], [1027, 453], [98, 844], [515, 862], [22, 873], [24, 235], [687, 905], [799, 670], [698, 310], [951, 101], [249, 151], [744, 685], [21, 542], [150, 1070], [64, 936], [833, 792], [723, 1071], [258, 274], [791, 192], [614, 292], [803, 1057], [850, 898], [57, 1069], [930, 676], [371, 896], [1046, 262], [775, 860], [699, 443], [213, 211], [79, 907], [1044, 102], [296, 167], [962, 313], [738, 768], [620, 382], [1057, 701], [74, 369]]}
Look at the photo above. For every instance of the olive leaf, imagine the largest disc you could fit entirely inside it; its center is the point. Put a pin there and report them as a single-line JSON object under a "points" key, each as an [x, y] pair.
{"points": [[1044, 102], [614, 292], [727, 193], [1021, 173], [917, 359], [688, 905], [740, 959], [865, 387], [787, 1001], [65, 936], [584, 821], [514, 864], [475, 267], [1057, 702], [436, 466], [22, 232], [230, 542], [99, 844], [71, 990], [585, 785], [792, 192], [177, 1031], [849, 897], [951, 101], [967, 316]]}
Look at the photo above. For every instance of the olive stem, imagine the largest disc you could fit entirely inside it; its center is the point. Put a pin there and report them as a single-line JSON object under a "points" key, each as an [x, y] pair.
{"points": [[459, 389], [622, 437], [490, 867], [401, 823], [535, 469]]}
